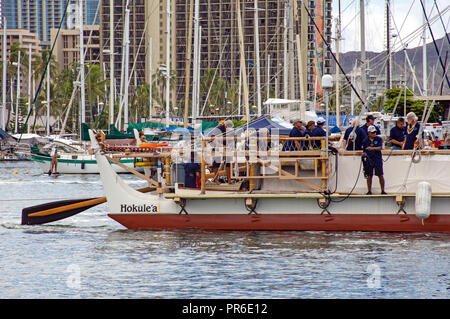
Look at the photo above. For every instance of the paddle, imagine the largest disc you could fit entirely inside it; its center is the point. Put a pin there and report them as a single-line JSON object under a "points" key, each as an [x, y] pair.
{"points": [[53, 211]]}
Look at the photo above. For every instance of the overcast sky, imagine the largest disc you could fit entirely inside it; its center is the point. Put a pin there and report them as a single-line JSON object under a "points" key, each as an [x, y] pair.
{"points": [[407, 16]]}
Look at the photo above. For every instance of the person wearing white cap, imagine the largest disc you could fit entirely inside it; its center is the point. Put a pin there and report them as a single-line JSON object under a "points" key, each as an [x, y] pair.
{"points": [[353, 137], [373, 159], [318, 131]]}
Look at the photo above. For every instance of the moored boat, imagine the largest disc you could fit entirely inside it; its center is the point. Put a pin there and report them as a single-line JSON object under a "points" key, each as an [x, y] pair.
{"points": [[292, 198]]}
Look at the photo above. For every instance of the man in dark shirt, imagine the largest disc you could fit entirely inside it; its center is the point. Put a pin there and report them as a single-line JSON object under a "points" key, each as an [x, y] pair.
{"points": [[191, 173], [291, 146], [318, 131], [373, 159], [397, 134], [370, 120], [354, 140]]}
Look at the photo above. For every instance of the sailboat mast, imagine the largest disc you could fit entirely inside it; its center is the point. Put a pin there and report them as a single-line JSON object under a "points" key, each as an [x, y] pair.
{"points": [[258, 66], [388, 46], [48, 99], [195, 102], [363, 92], [188, 64], [126, 68], [424, 53], [3, 115], [338, 82], [150, 89], [29, 83], [300, 56], [242, 58], [83, 99], [17, 95], [168, 64], [111, 62]]}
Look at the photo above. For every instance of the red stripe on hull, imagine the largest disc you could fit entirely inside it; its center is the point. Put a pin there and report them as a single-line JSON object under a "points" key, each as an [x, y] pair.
{"points": [[342, 222]]}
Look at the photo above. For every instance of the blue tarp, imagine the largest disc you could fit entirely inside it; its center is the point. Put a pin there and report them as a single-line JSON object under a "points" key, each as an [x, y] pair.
{"points": [[264, 122], [332, 119]]}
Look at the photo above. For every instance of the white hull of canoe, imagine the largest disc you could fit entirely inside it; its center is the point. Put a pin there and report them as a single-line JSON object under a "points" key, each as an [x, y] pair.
{"points": [[276, 211]]}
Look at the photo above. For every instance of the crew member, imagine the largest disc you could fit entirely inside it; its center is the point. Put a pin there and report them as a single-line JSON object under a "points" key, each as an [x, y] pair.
{"points": [[191, 173], [370, 120], [397, 135], [412, 130], [308, 133], [354, 137], [318, 131], [373, 159], [296, 131], [220, 131]]}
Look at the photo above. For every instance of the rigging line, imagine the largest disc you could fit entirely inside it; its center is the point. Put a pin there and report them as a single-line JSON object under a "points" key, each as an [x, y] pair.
{"points": [[45, 70], [442, 21], [434, 43], [406, 53], [332, 54], [214, 77]]}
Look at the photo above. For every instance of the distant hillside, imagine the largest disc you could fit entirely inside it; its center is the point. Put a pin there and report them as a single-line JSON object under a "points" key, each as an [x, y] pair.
{"points": [[377, 63]]}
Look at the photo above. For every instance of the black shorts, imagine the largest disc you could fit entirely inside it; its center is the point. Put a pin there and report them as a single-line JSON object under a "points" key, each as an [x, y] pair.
{"points": [[369, 169]]}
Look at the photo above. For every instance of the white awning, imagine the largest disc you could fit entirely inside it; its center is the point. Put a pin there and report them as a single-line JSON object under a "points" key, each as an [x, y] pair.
{"points": [[281, 101]]}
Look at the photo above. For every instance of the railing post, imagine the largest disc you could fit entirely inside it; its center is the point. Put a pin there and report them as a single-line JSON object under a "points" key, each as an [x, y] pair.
{"points": [[203, 169], [324, 165]]}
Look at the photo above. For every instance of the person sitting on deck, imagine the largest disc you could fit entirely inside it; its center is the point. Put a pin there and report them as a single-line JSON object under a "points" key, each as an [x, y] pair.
{"points": [[412, 130], [309, 133], [291, 146], [318, 131], [373, 159], [353, 137], [397, 134]]}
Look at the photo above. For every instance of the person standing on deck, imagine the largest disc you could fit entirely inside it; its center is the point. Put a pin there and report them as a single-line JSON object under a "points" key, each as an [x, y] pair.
{"points": [[318, 131], [397, 134], [353, 140], [54, 165], [373, 159], [370, 120], [412, 130]]}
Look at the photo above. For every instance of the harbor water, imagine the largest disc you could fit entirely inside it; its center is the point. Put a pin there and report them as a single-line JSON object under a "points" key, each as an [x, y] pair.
{"points": [[91, 256]]}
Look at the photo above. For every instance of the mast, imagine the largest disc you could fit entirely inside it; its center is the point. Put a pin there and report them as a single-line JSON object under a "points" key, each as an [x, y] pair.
{"points": [[111, 62], [285, 50], [301, 58], [17, 95], [242, 58], [48, 99], [258, 66], [388, 46], [424, 52], [3, 115], [150, 91], [188, 64], [363, 51], [83, 99], [29, 83], [126, 67], [268, 77], [195, 102], [338, 82], [168, 64]]}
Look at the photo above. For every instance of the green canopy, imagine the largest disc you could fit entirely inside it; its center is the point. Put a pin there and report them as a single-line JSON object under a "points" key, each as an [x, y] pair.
{"points": [[114, 134]]}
